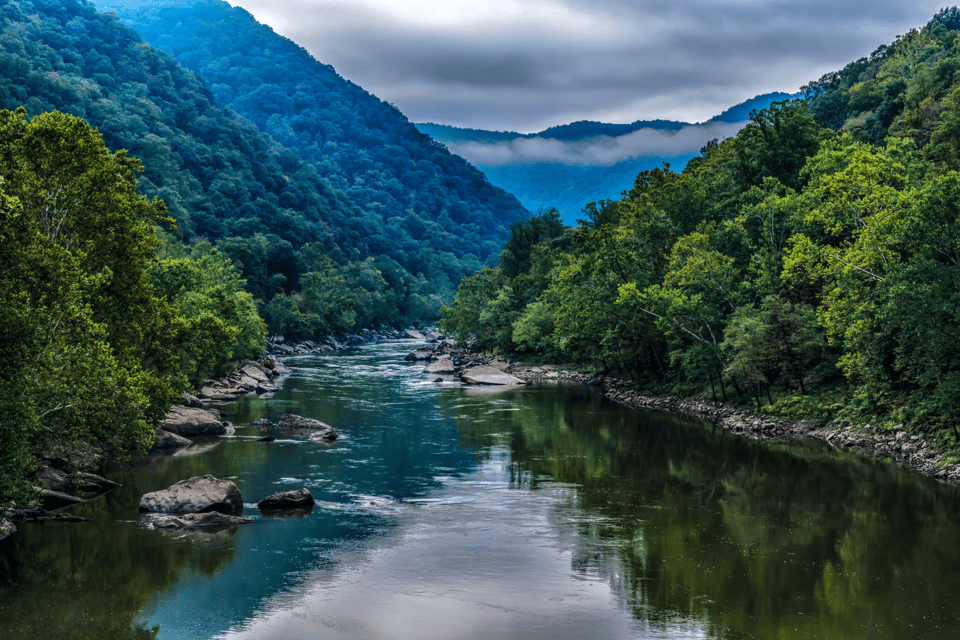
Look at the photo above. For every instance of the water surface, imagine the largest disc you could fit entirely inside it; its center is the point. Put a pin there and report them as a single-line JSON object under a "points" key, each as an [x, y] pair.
{"points": [[540, 512]]}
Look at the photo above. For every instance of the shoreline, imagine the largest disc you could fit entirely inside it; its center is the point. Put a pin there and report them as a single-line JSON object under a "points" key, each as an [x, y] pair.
{"points": [[913, 451]]}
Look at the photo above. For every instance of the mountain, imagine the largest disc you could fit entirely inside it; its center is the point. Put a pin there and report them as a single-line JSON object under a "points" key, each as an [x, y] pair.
{"points": [[385, 219], [571, 165], [422, 203]]}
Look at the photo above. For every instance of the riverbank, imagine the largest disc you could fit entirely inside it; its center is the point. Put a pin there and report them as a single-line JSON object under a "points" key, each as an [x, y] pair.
{"points": [[919, 454]]}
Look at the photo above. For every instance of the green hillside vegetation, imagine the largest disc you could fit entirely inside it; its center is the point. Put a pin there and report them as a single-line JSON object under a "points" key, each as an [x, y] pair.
{"points": [[803, 268], [424, 207], [276, 215], [98, 334], [151, 237]]}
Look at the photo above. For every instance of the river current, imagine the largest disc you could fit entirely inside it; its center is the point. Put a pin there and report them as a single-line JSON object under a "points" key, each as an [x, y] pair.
{"points": [[535, 512]]}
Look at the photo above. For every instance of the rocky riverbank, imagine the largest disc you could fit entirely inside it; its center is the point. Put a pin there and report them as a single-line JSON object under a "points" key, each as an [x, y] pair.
{"points": [[280, 346], [914, 451]]}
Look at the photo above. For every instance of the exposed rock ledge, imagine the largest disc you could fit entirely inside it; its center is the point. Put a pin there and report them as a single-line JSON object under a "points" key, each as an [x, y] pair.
{"points": [[913, 451]]}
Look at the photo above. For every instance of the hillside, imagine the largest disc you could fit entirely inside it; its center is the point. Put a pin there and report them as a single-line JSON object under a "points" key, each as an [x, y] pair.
{"points": [[571, 165], [422, 195]]}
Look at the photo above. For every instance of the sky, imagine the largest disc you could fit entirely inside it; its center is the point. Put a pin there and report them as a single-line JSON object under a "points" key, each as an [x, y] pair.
{"points": [[525, 65]]}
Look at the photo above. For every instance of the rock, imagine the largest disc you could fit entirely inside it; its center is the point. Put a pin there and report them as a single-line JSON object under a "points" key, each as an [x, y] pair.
{"points": [[487, 375], [299, 499], [324, 436], [441, 366], [7, 528], [199, 494], [319, 430], [263, 424], [89, 485], [266, 439], [255, 371], [167, 440], [413, 334], [190, 421], [210, 521], [188, 400], [39, 516], [52, 500], [419, 354]]}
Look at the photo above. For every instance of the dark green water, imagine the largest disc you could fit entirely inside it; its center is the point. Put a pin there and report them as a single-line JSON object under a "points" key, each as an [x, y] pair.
{"points": [[540, 512]]}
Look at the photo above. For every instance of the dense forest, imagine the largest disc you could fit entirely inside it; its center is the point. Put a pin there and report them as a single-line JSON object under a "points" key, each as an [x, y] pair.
{"points": [[278, 212], [151, 236], [809, 265], [423, 206]]}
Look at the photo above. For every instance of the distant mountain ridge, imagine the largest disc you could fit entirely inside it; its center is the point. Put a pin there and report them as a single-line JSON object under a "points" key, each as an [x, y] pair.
{"points": [[569, 181]]}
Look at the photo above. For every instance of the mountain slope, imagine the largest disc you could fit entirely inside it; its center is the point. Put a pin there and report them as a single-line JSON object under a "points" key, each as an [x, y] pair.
{"points": [[362, 145]]}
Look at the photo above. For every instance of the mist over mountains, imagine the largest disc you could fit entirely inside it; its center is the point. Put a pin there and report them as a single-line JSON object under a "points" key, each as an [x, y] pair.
{"points": [[569, 166]]}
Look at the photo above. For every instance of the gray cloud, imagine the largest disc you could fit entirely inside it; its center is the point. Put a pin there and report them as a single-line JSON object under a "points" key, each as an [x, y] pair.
{"points": [[601, 151], [526, 66]]}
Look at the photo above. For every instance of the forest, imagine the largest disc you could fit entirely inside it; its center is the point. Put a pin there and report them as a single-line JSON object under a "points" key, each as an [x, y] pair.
{"points": [[361, 211], [808, 266], [152, 235]]}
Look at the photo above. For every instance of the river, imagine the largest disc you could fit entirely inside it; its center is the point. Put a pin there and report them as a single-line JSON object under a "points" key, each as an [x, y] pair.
{"points": [[535, 512]]}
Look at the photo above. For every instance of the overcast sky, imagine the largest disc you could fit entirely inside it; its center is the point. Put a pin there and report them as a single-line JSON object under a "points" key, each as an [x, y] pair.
{"points": [[525, 65]]}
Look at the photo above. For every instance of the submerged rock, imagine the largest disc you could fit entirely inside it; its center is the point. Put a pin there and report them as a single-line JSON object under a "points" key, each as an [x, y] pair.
{"points": [[167, 440], [208, 521], [299, 499], [199, 494], [442, 366]]}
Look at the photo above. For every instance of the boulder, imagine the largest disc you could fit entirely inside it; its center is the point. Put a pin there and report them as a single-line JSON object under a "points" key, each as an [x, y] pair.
{"points": [[167, 440], [199, 494], [440, 367], [325, 436], [318, 430], [188, 400], [255, 371], [263, 424], [413, 334], [487, 375], [299, 499], [266, 439], [6, 528], [419, 354], [209, 521], [192, 422]]}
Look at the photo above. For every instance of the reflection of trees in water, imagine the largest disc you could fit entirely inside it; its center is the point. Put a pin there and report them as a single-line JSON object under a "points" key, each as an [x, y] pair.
{"points": [[754, 540], [90, 581]]}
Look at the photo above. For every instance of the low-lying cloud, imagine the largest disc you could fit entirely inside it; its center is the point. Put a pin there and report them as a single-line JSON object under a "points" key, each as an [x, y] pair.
{"points": [[599, 151], [525, 65]]}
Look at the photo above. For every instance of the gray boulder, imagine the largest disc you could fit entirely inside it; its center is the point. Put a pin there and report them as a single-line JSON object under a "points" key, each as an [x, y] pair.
{"points": [[299, 499], [263, 424], [208, 521], [167, 440], [317, 430], [487, 375], [199, 494], [440, 367], [7, 528], [192, 422], [419, 354]]}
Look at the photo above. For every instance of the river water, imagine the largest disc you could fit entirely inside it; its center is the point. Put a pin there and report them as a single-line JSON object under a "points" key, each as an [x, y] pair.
{"points": [[535, 512]]}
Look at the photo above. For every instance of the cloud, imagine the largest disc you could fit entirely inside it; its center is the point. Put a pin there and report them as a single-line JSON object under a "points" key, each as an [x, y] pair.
{"points": [[600, 151], [528, 64]]}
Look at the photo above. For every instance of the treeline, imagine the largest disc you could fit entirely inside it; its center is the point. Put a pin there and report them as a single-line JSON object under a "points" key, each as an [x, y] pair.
{"points": [[273, 209], [808, 267], [102, 325]]}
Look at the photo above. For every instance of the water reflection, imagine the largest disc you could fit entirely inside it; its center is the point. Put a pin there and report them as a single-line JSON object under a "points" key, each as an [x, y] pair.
{"points": [[531, 512]]}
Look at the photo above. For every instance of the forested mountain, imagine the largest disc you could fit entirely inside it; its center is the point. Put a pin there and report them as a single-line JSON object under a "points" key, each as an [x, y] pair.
{"points": [[546, 178], [385, 251], [427, 202], [809, 265]]}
